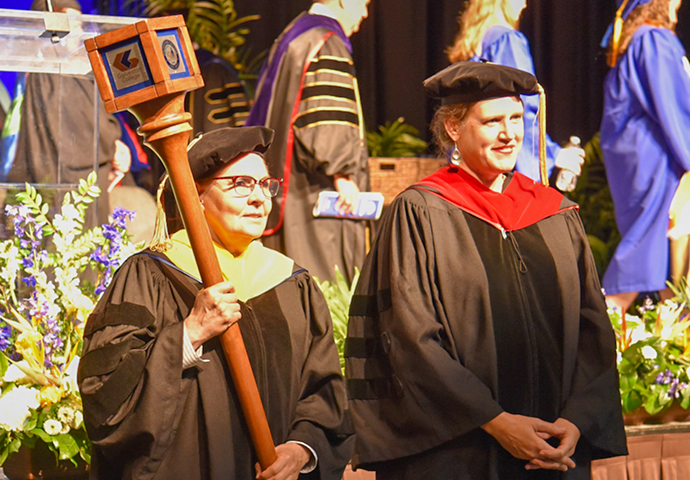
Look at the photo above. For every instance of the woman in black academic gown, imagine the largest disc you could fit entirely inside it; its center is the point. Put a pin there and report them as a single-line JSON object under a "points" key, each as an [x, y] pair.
{"points": [[479, 346], [159, 402]]}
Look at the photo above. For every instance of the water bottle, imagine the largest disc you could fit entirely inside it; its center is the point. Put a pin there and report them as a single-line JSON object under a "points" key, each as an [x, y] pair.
{"points": [[566, 179]]}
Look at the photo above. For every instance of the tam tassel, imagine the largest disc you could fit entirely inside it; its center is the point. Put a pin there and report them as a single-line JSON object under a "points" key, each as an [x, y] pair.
{"points": [[616, 37], [544, 173], [160, 240]]}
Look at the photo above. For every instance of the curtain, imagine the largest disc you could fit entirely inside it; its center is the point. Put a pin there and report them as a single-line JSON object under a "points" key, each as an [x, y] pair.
{"points": [[403, 42]]}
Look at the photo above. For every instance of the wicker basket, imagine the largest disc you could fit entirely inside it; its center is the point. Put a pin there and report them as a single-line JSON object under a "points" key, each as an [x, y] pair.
{"points": [[390, 176]]}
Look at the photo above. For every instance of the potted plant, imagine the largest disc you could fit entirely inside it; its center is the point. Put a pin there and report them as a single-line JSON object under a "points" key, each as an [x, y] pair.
{"points": [[215, 26], [393, 161], [653, 360], [52, 272]]}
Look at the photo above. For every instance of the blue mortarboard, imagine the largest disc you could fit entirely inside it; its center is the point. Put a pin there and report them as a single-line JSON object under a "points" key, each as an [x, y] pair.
{"points": [[628, 7]]}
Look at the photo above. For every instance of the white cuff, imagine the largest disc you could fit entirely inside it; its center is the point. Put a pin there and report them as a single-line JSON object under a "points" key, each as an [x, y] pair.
{"points": [[191, 357], [313, 460]]}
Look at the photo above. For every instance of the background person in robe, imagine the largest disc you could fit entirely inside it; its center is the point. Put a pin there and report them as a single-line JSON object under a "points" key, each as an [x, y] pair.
{"points": [[488, 31], [645, 144], [55, 143], [158, 397], [479, 347], [323, 146]]}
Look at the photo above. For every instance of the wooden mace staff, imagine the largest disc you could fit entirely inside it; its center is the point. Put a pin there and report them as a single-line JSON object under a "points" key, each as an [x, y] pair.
{"points": [[147, 68]]}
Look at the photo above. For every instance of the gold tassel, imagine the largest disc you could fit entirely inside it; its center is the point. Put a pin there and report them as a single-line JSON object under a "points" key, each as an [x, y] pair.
{"points": [[542, 137], [160, 240], [616, 37]]}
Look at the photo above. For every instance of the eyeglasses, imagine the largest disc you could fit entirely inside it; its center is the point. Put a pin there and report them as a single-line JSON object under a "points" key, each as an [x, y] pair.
{"points": [[243, 185]]}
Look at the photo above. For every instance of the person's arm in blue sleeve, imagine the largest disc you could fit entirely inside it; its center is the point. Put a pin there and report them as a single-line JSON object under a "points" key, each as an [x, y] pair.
{"points": [[667, 86]]}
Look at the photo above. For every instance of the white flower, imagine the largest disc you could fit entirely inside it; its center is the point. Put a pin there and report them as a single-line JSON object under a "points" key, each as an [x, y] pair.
{"points": [[52, 426], [639, 334], [78, 419], [65, 414], [15, 407], [70, 212], [65, 428], [14, 373], [648, 352], [70, 375], [11, 256]]}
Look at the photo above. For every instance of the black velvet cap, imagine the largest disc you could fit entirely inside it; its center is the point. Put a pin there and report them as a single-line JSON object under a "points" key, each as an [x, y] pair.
{"points": [[468, 82], [211, 151]]}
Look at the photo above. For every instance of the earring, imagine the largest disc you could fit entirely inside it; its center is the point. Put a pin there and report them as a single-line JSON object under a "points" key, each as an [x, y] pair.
{"points": [[455, 156]]}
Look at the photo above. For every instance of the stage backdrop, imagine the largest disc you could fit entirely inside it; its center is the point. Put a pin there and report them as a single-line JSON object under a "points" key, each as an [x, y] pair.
{"points": [[402, 43]]}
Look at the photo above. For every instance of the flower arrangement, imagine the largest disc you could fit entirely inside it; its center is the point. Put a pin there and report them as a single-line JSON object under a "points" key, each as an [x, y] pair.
{"points": [[653, 356], [52, 271]]}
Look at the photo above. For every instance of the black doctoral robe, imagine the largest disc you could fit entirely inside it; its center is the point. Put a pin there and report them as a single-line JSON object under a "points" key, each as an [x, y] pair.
{"points": [[314, 108], [472, 303], [150, 419]]}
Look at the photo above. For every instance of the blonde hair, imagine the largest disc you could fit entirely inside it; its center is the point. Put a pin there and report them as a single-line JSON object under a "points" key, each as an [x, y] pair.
{"points": [[476, 18], [654, 13]]}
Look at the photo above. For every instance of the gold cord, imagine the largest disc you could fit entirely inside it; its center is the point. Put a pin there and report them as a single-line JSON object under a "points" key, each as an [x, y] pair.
{"points": [[544, 173], [160, 240], [616, 37]]}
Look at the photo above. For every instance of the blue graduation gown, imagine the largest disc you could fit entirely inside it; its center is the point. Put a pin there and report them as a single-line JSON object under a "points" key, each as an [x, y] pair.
{"points": [[506, 46], [645, 142]]}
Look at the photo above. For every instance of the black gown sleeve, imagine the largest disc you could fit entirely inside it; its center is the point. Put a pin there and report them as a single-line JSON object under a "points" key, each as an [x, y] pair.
{"points": [[321, 418], [594, 403], [410, 388], [130, 375]]}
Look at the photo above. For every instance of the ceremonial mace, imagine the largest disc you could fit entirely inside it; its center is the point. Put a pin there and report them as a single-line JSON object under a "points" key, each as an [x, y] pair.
{"points": [[147, 68]]}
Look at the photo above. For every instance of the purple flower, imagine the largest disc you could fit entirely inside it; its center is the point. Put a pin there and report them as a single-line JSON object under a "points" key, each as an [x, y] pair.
{"points": [[673, 390], [665, 378], [100, 257], [100, 289], [5, 333], [27, 263], [30, 281], [114, 249], [110, 232], [54, 340], [120, 215], [18, 230], [646, 306]]}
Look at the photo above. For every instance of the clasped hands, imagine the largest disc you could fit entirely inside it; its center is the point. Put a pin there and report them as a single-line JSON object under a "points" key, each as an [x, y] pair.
{"points": [[526, 438]]}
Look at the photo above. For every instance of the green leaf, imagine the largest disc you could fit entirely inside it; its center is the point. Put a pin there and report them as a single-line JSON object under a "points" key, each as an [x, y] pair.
{"points": [[395, 139], [685, 398], [625, 367], [30, 424], [14, 445], [628, 381], [40, 433], [632, 400], [4, 363], [67, 446]]}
